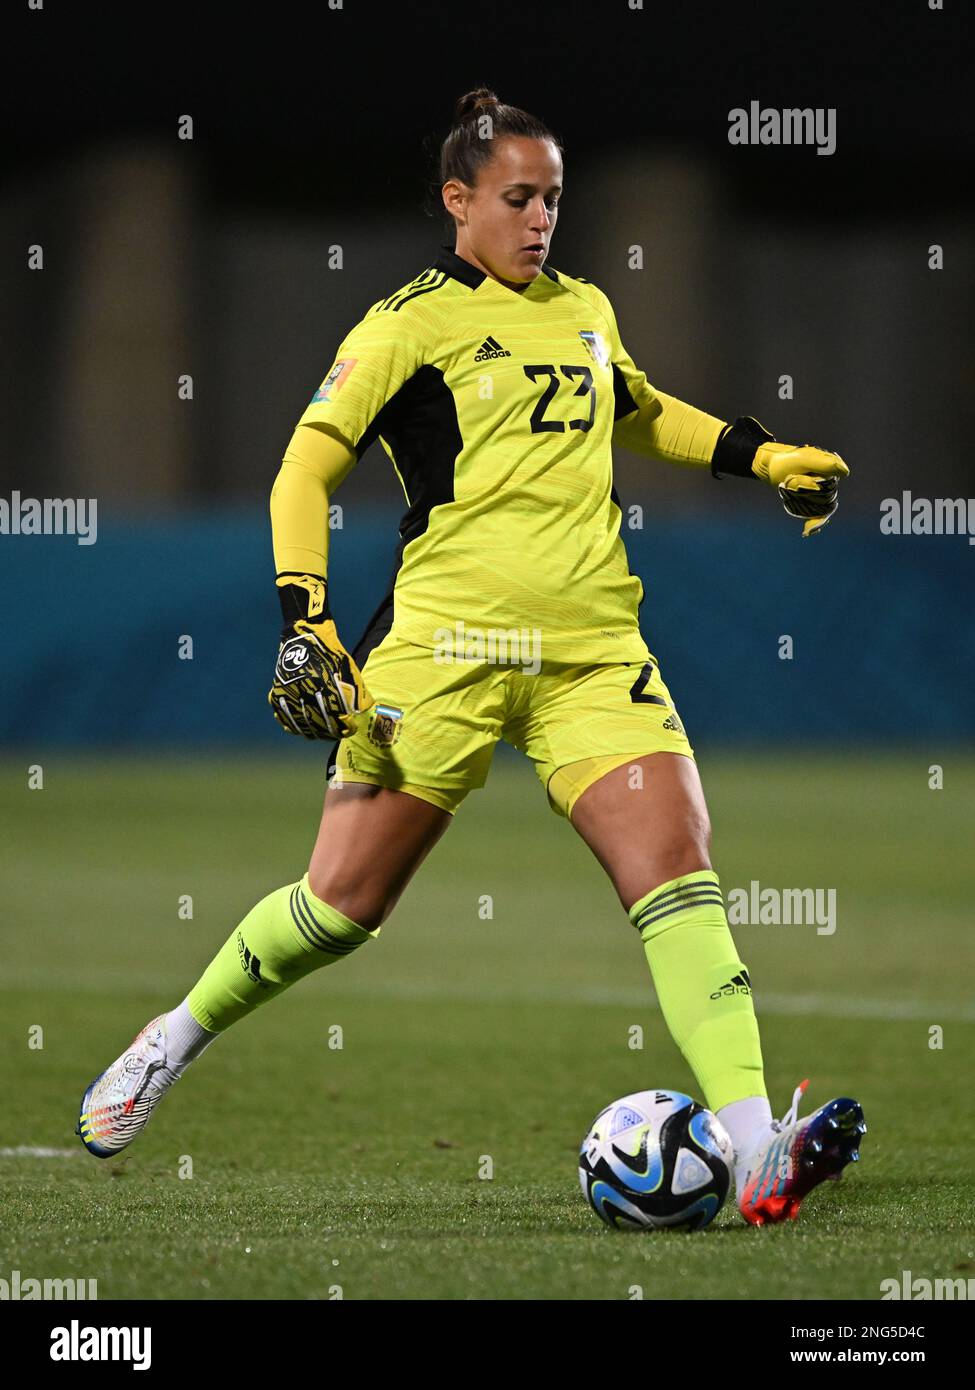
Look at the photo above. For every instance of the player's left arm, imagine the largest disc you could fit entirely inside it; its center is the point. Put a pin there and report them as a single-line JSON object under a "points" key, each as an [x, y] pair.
{"points": [[660, 426]]}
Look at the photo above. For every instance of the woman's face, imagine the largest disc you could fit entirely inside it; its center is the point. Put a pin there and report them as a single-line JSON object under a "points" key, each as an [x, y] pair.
{"points": [[506, 223]]}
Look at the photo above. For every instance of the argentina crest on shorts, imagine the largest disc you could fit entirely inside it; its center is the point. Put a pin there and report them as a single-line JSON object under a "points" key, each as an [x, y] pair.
{"points": [[385, 724]]}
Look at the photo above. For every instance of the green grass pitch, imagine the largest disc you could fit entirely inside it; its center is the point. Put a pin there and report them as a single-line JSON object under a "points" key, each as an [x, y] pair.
{"points": [[316, 1169]]}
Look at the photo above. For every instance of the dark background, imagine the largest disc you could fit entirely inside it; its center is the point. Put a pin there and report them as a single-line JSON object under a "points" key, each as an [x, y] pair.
{"points": [[318, 127]]}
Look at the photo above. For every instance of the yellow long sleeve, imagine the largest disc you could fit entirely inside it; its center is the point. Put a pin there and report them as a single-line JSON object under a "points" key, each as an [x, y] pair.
{"points": [[671, 430], [314, 464]]}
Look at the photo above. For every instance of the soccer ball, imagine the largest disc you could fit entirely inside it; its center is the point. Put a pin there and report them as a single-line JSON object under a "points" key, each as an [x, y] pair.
{"points": [[656, 1158]]}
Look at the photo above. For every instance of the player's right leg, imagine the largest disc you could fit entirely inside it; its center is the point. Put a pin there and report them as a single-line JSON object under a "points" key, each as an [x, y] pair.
{"points": [[370, 843], [400, 776]]}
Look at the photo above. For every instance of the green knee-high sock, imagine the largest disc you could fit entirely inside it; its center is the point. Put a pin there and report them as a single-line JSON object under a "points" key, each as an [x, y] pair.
{"points": [[703, 988], [286, 936]]}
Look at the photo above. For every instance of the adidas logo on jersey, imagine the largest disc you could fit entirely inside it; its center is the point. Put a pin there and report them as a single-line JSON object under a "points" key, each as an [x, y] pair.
{"points": [[738, 984], [490, 348], [673, 723]]}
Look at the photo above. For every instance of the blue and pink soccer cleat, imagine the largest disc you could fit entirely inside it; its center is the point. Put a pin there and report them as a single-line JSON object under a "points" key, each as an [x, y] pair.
{"points": [[773, 1178]]}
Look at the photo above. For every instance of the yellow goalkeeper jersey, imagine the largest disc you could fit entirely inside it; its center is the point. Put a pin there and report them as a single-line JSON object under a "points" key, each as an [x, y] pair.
{"points": [[497, 409]]}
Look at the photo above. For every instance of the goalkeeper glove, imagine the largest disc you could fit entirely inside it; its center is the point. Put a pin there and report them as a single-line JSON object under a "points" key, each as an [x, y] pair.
{"points": [[805, 476], [318, 689]]}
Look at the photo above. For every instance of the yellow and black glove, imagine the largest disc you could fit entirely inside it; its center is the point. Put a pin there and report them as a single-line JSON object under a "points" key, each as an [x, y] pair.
{"points": [[804, 475], [318, 689]]}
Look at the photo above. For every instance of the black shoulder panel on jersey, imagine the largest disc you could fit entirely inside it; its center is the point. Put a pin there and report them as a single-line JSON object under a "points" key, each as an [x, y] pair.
{"points": [[420, 426], [624, 404], [419, 423]]}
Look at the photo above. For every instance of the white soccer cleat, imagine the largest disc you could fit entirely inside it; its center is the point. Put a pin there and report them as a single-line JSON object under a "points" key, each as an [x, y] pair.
{"points": [[116, 1106], [794, 1156]]}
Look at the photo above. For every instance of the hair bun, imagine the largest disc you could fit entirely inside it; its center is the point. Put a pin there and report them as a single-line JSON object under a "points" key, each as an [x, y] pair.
{"points": [[472, 104]]}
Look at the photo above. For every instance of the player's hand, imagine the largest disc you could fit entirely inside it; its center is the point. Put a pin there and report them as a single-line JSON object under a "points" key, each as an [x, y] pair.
{"points": [[318, 689], [806, 480]]}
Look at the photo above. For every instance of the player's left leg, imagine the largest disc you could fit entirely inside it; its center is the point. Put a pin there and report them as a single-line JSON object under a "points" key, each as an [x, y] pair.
{"points": [[645, 818], [647, 823], [655, 848], [636, 800]]}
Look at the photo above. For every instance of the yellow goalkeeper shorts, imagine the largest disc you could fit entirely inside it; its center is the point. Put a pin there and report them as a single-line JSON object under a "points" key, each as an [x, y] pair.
{"points": [[435, 723]]}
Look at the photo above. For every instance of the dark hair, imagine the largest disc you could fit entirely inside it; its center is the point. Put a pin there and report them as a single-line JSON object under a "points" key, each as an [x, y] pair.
{"points": [[464, 152]]}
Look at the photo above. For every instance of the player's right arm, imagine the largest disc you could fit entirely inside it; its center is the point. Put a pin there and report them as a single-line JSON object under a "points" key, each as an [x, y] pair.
{"points": [[318, 690]]}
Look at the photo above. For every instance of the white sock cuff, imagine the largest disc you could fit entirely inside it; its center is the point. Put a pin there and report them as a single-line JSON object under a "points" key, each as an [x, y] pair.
{"points": [[745, 1120], [185, 1038]]}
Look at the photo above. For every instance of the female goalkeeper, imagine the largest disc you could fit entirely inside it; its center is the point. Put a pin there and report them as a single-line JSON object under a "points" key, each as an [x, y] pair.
{"points": [[498, 386]]}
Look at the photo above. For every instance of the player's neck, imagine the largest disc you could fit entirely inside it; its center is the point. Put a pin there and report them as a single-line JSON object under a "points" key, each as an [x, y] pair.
{"points": [[466, 254]]}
